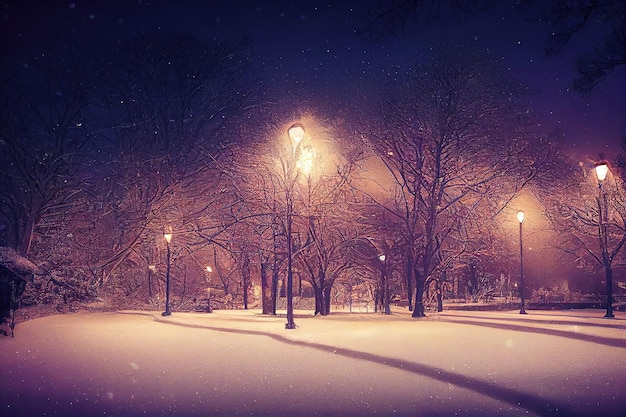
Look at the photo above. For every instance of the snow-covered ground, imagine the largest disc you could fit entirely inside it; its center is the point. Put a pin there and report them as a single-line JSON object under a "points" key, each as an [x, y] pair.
{"points": [[456, 363]]}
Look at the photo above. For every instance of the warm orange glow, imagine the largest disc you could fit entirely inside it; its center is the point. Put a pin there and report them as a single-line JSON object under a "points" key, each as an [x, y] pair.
{"points": [[168, 237], [209, 269], [305, 160], [520, 216]]}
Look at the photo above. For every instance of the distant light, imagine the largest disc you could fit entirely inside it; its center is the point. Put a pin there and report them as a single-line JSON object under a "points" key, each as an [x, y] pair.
{"points": [[520, 216], [382, 257], [168, 237], [602, 169], [209, 269]]}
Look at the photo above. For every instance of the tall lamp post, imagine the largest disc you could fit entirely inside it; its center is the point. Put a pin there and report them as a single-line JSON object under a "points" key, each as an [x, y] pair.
{"points": [[602, 169], [520, 219], [296, 134], [208, 290], [167, 312], [385, 285]]}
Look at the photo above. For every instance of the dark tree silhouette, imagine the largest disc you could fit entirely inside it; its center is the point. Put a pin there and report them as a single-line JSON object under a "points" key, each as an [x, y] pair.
{"points": [[103, 149], [42, 148], [169, 102], [583, 17], [602, 19]]}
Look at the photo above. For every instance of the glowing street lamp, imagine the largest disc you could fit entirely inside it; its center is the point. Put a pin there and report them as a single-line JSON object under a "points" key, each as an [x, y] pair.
{"points": [[520, 219], [602, 169], [296, 134], [167, 312]]}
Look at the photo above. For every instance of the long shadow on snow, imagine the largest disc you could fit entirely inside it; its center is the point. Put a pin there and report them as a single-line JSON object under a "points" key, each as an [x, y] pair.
{"points": [[507, 325], [537, 405], [614, 323]]}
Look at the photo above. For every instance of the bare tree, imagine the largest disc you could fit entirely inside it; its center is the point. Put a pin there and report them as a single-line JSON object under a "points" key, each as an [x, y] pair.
{"points": [[573, 18], [43, 146], [45, 153], [400, 17], [295, 195], [451, 136], [170, 103], [589, 213], [322, 230], [98, 162]]}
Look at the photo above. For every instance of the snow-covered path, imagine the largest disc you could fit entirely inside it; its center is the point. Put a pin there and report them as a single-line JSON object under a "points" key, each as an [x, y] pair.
{"points": [[241, 363]]}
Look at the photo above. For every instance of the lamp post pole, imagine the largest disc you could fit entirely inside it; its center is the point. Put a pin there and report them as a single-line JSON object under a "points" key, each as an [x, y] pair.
{"points": [[167, 312], [290, 322], [208, 290], [520, 218], [296, 134], [602, 169], [385, 286]]}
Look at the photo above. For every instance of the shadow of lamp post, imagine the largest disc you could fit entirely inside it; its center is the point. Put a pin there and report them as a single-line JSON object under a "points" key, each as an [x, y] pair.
{"points": [[602, 169], [522, 289], [167, 312]]}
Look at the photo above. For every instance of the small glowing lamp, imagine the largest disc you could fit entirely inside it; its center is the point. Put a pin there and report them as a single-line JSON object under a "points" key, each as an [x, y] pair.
{"points": [[602, 169], [296, 132]]}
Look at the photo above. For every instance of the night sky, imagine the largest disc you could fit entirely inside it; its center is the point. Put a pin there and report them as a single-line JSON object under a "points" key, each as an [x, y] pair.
{"points": [[317, 41]]}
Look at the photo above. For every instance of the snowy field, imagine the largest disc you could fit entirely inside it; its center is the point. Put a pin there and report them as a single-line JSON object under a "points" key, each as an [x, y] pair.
{"points": [[239, 363]]}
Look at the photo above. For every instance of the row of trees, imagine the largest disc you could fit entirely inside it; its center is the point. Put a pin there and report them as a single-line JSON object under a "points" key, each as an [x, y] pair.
{"points": [[399, 190]]}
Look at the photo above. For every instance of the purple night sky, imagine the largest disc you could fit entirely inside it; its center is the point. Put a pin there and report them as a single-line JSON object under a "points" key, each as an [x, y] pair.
{"points": [[317, 41]]}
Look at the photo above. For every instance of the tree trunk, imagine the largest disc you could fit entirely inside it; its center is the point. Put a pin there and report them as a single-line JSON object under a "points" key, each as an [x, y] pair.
{"points": [[318, 301], [274, 287], [439, 296], [322, 301], [326, 305], [183, 291], [377, 298], [418, 311], [409, 281], [245, 272], [266, 291], [28, 232], [387, 308]]}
